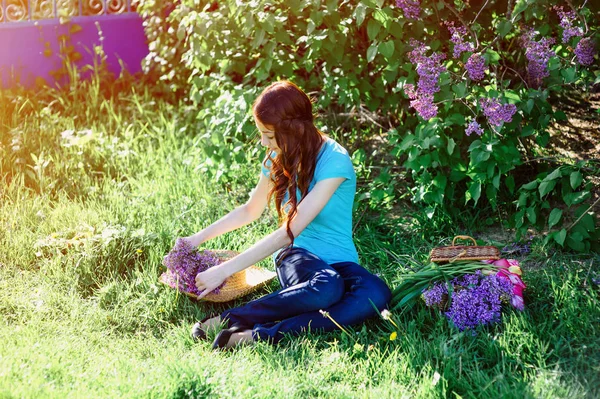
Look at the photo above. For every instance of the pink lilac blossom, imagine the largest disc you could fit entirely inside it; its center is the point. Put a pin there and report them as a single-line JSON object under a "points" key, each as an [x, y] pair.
{"points": [[496, 112], [585, 51], [185, 262], [474, 127], [475, 67], [429, 69], [538, 53], [410, 8], [566, 22], [458, 35]]}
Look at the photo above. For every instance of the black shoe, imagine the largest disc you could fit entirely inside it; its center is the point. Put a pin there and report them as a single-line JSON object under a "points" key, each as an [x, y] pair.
{"points": [[222, 338], [197, 332]]}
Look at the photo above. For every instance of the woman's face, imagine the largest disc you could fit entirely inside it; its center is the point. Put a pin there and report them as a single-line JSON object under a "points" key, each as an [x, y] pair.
{"points": [[267, 136]]}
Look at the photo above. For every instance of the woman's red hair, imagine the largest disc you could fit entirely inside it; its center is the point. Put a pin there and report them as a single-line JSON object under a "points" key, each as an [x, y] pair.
{"points": [[286, 109]]}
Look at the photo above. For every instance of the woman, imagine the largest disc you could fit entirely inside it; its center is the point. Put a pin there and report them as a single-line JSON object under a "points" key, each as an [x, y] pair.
{"points": [[313, 183]]}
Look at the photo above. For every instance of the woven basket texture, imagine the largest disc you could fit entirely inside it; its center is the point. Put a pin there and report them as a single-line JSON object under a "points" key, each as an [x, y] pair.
{"points": [[464, 252]]}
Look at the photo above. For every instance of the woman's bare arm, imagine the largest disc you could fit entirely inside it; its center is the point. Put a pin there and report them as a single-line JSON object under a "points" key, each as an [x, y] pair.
{"points": [[307, 210]]}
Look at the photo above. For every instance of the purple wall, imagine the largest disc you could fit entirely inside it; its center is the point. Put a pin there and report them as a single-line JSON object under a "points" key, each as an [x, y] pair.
{"points": [[24, 53]]}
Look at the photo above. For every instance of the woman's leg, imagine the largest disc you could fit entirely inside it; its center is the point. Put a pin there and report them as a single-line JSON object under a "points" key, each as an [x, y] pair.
{"points": [[308, 284], [355, 307]]}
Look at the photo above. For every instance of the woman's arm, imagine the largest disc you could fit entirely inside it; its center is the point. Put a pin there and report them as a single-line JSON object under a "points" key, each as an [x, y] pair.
{"points": [[240, 216], [307, 210]]}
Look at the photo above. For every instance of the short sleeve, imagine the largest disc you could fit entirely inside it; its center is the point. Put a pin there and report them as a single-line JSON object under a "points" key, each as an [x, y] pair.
{"points": [[337, 164]]}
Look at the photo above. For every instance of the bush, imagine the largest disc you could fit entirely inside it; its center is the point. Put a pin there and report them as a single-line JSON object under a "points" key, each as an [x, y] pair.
{"points": [[479, 80]]}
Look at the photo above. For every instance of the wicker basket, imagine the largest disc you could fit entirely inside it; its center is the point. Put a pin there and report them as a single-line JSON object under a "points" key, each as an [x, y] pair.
{"points": [[236, 285], [463, 252]]}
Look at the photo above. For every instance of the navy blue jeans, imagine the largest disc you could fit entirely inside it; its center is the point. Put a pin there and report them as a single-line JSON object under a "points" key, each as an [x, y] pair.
{"points": [[345, 290]]}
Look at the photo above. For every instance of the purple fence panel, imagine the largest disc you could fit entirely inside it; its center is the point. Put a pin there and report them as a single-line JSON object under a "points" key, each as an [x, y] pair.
{"points": [[31, 50]]}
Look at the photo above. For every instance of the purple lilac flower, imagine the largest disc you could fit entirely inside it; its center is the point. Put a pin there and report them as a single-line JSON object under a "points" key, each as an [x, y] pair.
{"points": [[495, 112], [585, 51], [424, 106], [474, 127], [185, 262], [475, 67], [477, 300], [566, 22], [458, 35], [429, 69], [538, 53], [410, 8], [436, 296]]}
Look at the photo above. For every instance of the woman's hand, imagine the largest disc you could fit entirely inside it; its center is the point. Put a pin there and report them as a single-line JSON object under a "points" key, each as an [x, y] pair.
{"points": [[194, 240], [210, 279]]}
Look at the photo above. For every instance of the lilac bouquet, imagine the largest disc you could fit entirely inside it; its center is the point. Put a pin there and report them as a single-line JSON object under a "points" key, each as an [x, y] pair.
{"points": [[478, 297], [184, 262], [475, 299]]}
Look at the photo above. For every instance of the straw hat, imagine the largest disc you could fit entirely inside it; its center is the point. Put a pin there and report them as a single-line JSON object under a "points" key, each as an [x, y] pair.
{"points": [[236, 285]]}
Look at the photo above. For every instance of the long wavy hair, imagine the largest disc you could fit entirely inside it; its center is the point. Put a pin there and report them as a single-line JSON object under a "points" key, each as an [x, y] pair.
{"points": [[286, 109]]}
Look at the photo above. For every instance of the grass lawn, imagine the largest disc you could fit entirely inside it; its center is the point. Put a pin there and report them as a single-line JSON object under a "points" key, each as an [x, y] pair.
{"points": [[95, 188]]}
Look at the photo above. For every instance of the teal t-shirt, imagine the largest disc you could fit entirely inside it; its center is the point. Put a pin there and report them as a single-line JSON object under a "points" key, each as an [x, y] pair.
{"points": [[329, 235]]}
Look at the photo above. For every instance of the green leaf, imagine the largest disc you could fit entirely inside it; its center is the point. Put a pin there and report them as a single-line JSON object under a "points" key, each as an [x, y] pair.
{"points": [[460, 89], [527, 131], [371, 53], [575, 241], [531, 214], [576, 179], [510, 183], [512, 95], [359, 13], [519, 218], [529, 105], [532, 185], [554, 175], [492, 55], [560, 236], [456, 119], [560, 116], [568, 74], [373, 28], [554, 217], [474, 192], [387, 49], [576, 198], [451, 145], [504, 27], [546, 187], [520, 6]]}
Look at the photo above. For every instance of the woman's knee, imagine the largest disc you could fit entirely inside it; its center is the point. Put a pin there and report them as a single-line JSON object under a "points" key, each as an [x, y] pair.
{"points": [[328, 286], [376, 291]]}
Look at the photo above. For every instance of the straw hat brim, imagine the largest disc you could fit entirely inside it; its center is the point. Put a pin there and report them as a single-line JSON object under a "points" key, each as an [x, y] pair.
{"points": [[236, 286]]}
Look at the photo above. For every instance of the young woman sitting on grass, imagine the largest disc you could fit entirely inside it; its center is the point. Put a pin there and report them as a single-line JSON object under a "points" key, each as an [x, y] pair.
{"points": [[311, 178]]}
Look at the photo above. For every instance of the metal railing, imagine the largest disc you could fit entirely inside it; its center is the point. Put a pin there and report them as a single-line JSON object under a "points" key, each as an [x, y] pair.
{"points": [[12, 11]]}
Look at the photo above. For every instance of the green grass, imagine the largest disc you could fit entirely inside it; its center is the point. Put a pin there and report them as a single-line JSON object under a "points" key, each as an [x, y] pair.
{"points": [[86, 220]]}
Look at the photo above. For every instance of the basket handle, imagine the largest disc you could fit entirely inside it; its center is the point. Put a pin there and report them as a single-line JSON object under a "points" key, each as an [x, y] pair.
{"points": [[464, 238]]}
